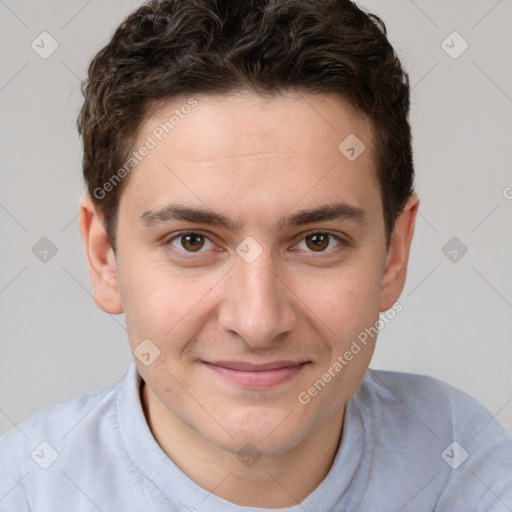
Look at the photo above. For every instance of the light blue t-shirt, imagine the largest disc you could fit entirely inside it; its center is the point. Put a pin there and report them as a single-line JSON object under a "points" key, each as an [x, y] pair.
{"points": [[410, 443]]}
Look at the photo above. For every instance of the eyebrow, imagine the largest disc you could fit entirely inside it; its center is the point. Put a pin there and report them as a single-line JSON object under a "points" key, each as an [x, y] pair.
{"points": [[176, 212]]}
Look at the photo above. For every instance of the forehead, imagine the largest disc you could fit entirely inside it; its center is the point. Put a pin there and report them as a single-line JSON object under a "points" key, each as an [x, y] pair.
{"points": [[232, 147], [215, 125]]}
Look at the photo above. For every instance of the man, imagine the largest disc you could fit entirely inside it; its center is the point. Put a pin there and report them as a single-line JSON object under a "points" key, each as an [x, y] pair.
{"points": [[250, 210]]}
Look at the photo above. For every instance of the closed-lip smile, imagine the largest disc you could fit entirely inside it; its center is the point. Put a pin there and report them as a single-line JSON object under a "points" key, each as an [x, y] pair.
{"points": [[256, 375], [253, 367]]}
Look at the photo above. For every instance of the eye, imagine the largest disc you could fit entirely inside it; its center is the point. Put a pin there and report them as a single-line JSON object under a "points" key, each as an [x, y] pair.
{"points": [[319, 242], [189, 241]]}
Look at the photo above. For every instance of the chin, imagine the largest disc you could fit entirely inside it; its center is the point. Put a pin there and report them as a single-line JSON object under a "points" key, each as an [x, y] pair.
{"points": [[256, 444], [266, 434]]}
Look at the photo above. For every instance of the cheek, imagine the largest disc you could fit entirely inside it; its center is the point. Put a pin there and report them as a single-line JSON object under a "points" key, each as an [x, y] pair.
{"points": [[345, 301], [348, 309], [164, 306]]}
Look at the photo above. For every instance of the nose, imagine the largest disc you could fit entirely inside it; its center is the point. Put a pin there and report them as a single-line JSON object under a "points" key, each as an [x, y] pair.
{"points": [[257, 303]]}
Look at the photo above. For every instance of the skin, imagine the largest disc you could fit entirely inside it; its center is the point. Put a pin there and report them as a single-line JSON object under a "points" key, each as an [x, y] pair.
{"points": [[255, 160]]}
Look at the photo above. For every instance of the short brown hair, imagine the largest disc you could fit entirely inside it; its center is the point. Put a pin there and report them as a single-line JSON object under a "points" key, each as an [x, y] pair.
{"points": [[171, 48]]}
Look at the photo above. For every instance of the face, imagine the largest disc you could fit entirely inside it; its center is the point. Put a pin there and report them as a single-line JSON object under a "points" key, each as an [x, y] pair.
{"points": [[251, 252]]}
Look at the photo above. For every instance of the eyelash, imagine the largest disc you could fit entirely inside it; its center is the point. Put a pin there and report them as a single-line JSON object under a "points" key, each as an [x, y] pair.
{"points": [[342, 243]]}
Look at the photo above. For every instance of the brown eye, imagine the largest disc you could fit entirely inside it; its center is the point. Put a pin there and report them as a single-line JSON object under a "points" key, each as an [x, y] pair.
{"points": [[318, 241], [186, 243], [192, 242]]}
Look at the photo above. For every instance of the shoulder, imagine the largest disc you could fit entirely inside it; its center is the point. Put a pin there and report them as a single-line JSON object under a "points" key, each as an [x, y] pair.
{"points": [[391, 386], [54, 436], [69, 454], [425, 428], [59, 420], [410, 383], [445, 408]]}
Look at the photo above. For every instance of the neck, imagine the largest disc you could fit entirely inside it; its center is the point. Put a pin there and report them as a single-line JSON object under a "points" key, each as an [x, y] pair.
{"points": [[271, 482]]}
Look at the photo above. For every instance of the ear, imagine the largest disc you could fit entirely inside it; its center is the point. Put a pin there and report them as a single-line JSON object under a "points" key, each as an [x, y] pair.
{"points": [[395, 270], [100, 258]]}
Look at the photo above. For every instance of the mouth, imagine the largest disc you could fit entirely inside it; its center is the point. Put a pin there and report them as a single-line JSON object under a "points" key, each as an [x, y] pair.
{"points": [[256, 375]]}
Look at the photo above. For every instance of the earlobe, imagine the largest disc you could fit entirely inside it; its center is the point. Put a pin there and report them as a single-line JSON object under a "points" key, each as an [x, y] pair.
{"points": [[100, 258], [395, 271]]}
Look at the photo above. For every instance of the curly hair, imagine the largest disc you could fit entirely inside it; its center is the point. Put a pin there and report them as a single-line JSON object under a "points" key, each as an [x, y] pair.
{"points": [[171, 48]]}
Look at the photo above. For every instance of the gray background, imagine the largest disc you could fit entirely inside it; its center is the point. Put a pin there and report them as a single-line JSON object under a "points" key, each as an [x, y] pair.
{"points": [[456, 321]]}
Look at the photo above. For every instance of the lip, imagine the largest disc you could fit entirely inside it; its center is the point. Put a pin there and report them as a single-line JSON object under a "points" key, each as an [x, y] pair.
{"points": [[256, 375]]}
